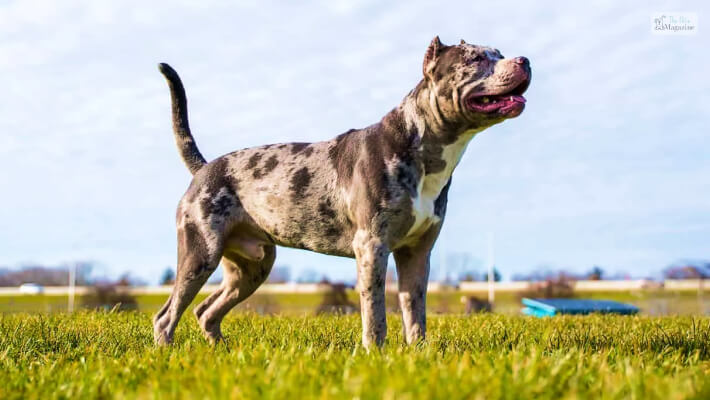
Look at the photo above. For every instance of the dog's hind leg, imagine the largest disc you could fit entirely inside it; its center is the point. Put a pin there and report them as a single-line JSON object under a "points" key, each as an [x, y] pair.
{"points": [[202, 307], [242, 277], [198, 257]]}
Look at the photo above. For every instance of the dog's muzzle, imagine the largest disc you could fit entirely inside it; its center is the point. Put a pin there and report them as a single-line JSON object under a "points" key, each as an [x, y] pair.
{"points": [[509, 102]]}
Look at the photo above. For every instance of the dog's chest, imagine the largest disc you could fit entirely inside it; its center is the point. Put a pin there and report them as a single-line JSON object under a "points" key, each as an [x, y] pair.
{"points": [[423, 209], [429, 187]]}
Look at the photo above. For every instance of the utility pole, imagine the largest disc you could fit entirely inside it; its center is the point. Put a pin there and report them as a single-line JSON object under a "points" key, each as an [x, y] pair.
{"points": [[491, 265], [72, 287]]}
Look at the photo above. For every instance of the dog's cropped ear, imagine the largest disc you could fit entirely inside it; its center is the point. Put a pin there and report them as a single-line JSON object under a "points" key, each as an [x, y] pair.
{"points": [[432, 55]]}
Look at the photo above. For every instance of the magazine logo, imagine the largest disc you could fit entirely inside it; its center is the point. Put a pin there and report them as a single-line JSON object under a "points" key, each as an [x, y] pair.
{"points": [[674, 23]]}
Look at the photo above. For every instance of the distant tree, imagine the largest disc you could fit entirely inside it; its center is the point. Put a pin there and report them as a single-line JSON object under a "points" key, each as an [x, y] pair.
{"points": [[559, 287], [463, 266], [496, 275], [539, 273], [126, 279], [468, 276], [309, 276], [619, 276], [168, 277], [83, 272], [46, 275], [520, 277], [596, 273], [688, 271], [544, 273]]}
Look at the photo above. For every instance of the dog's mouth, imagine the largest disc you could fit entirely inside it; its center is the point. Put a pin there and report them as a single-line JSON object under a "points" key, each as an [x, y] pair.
{"points": [[509, 103]]}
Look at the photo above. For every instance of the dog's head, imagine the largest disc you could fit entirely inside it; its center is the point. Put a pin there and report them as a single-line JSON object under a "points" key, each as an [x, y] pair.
{"points": [[476, 85]]}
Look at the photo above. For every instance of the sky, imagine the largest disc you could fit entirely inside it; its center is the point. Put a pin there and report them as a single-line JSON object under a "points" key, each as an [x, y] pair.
{"points": [[607, 166]]}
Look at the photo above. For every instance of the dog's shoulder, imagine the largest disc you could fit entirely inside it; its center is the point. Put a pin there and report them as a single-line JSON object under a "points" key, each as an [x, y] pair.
{"points": [[374, 147]]}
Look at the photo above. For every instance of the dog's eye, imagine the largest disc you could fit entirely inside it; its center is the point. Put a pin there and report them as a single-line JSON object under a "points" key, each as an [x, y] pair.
{"points": [[475, 59]]}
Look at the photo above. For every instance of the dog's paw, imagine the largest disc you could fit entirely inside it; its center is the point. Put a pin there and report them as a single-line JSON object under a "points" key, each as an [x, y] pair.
{"points": [[161, 336]]}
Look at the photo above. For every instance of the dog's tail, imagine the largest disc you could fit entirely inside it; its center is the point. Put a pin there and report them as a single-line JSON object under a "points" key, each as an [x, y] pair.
{"points": [[189, 152]]}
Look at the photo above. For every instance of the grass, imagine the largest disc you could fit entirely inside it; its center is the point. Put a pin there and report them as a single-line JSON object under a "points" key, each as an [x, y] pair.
{"points": [[97, 355], [651, 302]]}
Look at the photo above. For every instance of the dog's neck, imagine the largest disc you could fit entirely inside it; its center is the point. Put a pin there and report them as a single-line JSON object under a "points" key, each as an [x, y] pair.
{"points": [[440, 142], [423, 113]]}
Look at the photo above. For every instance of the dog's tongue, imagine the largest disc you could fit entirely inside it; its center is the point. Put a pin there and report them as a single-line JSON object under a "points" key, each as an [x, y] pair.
{"points": [[517, 99]]}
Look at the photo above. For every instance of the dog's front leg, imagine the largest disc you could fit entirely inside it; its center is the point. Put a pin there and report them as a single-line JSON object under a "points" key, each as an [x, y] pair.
{"points": [[413, 274], [371, 255]]}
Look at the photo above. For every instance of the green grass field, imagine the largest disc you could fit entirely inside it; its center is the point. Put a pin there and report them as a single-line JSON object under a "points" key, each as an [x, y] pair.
{"points": [[651, 302], [98, 355]]}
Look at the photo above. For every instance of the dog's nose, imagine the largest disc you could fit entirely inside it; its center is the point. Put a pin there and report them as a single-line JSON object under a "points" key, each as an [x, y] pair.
{"points": [[523, 61]]}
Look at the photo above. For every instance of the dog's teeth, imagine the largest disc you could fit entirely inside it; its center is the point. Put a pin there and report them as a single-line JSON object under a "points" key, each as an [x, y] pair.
{"points": [[485, 100]]}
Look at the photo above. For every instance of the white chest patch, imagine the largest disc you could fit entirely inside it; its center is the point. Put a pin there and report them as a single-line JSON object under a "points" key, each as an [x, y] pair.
{"points": [[430, 186]]}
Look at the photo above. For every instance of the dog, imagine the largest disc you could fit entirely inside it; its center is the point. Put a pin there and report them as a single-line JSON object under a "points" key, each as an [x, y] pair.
{"points": [[365, 194]]}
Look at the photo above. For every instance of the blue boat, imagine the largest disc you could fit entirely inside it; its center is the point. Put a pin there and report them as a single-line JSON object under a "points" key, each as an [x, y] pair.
{"points": [[552, 307]]}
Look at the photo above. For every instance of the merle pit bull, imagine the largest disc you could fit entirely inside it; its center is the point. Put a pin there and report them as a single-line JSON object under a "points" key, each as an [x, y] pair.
{"points": [[365, 194]]}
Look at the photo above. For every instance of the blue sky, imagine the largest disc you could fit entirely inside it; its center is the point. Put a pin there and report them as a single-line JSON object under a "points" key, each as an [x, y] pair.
{"points": [[608, 165]]}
